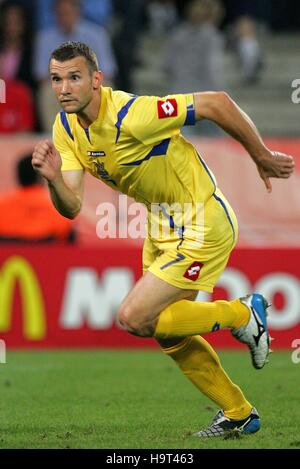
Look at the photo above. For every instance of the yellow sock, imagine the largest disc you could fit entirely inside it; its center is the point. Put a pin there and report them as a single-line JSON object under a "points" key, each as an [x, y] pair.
{"points": [[201, 365], [185, 318]]}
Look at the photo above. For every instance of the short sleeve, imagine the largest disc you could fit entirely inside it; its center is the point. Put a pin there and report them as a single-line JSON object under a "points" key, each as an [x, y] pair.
{"points": [[152, 119], [64, 145]]}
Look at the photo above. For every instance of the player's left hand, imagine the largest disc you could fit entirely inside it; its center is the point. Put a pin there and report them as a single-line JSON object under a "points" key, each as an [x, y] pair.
{"points": [[275, 164]]}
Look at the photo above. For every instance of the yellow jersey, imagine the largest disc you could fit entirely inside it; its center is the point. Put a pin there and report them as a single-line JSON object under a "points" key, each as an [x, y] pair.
{"points": [[135, 147]]}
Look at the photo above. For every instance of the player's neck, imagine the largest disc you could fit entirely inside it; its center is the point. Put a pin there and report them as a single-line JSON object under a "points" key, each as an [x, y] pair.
{"points": [[90, 113]]}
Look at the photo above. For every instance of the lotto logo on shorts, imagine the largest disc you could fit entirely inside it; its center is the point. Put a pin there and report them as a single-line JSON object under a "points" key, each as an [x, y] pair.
{"points": [[193, 271], [167, 108]]}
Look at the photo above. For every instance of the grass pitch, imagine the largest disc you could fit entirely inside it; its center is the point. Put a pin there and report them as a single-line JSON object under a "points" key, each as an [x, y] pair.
{"points": [[135, 399]]}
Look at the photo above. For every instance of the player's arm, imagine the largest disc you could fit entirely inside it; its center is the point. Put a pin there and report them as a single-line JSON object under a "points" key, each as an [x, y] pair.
{"points": [[221, 109], [66, 188]]}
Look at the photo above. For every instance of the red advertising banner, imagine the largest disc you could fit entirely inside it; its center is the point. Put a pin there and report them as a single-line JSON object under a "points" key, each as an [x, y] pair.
{"points": [[68, 296]]}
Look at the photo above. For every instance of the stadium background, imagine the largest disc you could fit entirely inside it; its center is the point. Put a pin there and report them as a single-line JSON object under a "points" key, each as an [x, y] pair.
{"points": [[63, 296]]}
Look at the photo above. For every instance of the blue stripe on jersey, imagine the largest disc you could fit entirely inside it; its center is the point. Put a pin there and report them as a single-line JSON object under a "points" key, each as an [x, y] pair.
{"points": [[226, 211], [207, 170], [171, 220], [216, 197], [158, 150], [121, 114], [87, 134], [172, 224], [179, 258], [65, 123], [190, 115]]}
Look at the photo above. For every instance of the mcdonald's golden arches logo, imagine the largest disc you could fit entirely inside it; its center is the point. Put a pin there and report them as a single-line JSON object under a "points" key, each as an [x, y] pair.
{"points": [[18, 269]]}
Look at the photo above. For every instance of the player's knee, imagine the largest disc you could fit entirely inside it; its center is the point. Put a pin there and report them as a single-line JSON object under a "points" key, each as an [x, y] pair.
{"points": [[131, 321], [124, 317]]}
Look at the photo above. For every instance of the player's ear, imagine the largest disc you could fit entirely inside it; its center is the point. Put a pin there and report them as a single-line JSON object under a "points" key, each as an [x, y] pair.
{"points": [[97, 79]]}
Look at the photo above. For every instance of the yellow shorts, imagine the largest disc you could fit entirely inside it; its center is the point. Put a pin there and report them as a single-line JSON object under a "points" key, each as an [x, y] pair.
{"points": [[192, 266]]}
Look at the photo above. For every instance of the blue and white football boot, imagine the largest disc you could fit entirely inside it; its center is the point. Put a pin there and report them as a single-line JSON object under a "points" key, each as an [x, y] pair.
{"points": [[255, 334], [222, 426]]}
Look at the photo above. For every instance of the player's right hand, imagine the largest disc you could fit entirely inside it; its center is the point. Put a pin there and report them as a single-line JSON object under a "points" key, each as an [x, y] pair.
{"points": [[46, 160]]}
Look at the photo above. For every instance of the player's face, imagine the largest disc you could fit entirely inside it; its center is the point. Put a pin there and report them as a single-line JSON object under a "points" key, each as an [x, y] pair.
{"points": [[74, 84]]}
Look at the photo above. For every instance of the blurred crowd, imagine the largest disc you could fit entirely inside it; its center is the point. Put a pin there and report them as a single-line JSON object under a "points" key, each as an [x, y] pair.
{"points": [[26, 213], [194, 34], [198, 30]]}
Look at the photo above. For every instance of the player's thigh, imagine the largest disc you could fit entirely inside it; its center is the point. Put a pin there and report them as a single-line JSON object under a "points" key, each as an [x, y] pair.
{"points": [[148, 298]]}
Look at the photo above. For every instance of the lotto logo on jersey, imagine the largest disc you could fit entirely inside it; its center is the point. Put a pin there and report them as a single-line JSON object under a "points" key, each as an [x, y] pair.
{"points": [[193, 271], [167, 108]]}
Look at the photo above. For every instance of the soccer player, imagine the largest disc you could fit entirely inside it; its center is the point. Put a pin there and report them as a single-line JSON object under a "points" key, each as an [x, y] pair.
{"points": [[133, 144]]}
